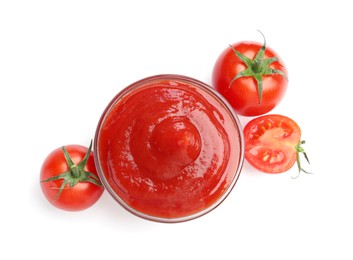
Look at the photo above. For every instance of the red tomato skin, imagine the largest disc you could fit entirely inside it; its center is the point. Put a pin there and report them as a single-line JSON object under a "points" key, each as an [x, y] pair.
{"points": [[287, 136], [83, 195], [242, 94]]}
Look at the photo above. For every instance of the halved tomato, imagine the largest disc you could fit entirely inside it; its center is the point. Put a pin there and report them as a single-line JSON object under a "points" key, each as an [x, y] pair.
{"points": [[273, 143]]}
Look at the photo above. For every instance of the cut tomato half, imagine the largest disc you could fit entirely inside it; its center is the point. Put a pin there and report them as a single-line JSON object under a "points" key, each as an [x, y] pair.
{"points": [[271, 143]]}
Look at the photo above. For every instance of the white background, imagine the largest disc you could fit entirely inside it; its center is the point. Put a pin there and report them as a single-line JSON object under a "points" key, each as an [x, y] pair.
{"points": [[61, 62]]}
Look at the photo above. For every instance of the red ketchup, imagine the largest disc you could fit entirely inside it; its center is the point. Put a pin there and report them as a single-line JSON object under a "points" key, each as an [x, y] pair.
{"points": [[168, 148]]}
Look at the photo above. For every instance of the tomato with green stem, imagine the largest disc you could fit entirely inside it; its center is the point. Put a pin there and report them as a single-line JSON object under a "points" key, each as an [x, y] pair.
{"points": [[69, 179], [273, 144], [251, 76]]}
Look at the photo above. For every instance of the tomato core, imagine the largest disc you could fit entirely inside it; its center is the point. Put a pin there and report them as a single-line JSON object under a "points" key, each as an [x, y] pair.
{"points": [[169, 148]]}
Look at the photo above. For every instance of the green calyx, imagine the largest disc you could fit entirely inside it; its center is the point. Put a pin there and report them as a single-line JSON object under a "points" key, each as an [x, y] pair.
{"points": [[76, 173], [257, 68], [299, 149]]}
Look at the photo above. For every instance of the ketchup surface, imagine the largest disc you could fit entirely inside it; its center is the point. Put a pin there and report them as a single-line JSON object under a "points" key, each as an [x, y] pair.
{"points": [[168, 148]]}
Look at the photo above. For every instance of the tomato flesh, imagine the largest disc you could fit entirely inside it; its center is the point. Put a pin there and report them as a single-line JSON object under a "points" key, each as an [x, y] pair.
{"points": [[270, 143]]}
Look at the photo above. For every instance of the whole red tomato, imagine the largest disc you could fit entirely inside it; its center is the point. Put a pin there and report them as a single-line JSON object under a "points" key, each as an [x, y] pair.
{"points": [[251, 77], [69, 179]]}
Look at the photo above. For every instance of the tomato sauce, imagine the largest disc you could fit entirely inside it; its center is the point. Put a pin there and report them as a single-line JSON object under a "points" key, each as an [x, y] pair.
{"points": [[168, 147]]}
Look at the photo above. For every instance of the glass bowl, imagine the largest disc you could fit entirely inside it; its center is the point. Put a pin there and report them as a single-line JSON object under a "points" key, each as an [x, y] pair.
{"points": [[169, 148]]}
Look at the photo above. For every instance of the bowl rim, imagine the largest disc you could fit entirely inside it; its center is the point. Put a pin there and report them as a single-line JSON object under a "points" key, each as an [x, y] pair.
{"points": [[192, 81]]}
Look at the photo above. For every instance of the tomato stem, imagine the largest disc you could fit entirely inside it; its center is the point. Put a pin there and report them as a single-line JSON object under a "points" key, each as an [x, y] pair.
{"points": [[75, 171], [256, 67], [300, 150]]}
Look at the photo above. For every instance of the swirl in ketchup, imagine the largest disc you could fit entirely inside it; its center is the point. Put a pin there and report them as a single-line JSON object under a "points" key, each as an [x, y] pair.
{"points": [[169, 148]]}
